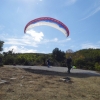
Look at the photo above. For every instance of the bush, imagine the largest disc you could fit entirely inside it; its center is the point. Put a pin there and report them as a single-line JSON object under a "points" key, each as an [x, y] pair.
{"points": [[1, 64], [63, 64], [97, 66], [1, 60]]}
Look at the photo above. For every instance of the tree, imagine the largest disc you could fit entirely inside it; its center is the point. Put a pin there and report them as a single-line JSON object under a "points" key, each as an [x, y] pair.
{"points": [[58, 55], [1, 45], [1, 48], [69, 51]]}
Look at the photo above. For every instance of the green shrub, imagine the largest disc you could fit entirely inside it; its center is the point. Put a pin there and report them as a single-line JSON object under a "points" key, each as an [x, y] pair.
{"points": [[97, 66], [1, 64]]}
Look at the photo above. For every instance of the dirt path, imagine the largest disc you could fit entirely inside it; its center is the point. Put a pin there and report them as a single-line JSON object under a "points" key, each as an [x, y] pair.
{"points": [[57, 69]]}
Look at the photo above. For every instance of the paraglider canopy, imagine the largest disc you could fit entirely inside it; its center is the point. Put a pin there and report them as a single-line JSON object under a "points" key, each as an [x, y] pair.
{"points": [[49, 22]]}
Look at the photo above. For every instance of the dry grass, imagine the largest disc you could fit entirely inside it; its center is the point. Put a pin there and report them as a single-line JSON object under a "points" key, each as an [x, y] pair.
{"points": [[27, 84]]}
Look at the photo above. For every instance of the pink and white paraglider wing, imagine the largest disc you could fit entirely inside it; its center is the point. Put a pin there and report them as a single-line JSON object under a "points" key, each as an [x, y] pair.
{"points": [[49, 22]]}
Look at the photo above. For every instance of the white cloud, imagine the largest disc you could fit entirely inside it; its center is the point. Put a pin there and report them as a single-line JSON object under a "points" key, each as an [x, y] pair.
{"points": [[34, 35], [28, 40], [12, 41], [31, 38], [46, 41], [19, 49], [92, 13], [66, 40], [56, 40], [90, 45]]}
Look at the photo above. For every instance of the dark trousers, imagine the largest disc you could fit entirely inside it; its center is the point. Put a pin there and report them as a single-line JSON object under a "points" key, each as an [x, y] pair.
{"points": [[69, 68]]}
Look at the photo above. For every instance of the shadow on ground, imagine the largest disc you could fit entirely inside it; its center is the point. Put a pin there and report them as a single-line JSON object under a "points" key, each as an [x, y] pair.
{"points": [[45, 72]]}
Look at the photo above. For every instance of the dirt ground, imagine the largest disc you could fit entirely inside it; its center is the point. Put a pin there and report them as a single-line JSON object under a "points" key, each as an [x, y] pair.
{"points": [[30, 84]]}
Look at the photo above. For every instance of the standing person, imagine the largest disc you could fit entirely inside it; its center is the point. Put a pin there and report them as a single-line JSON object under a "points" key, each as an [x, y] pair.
{"points": [[69, 61], [48, 63]]}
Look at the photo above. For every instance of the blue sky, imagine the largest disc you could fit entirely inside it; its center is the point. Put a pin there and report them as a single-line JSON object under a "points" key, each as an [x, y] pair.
{"points": [[82, 17]]}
